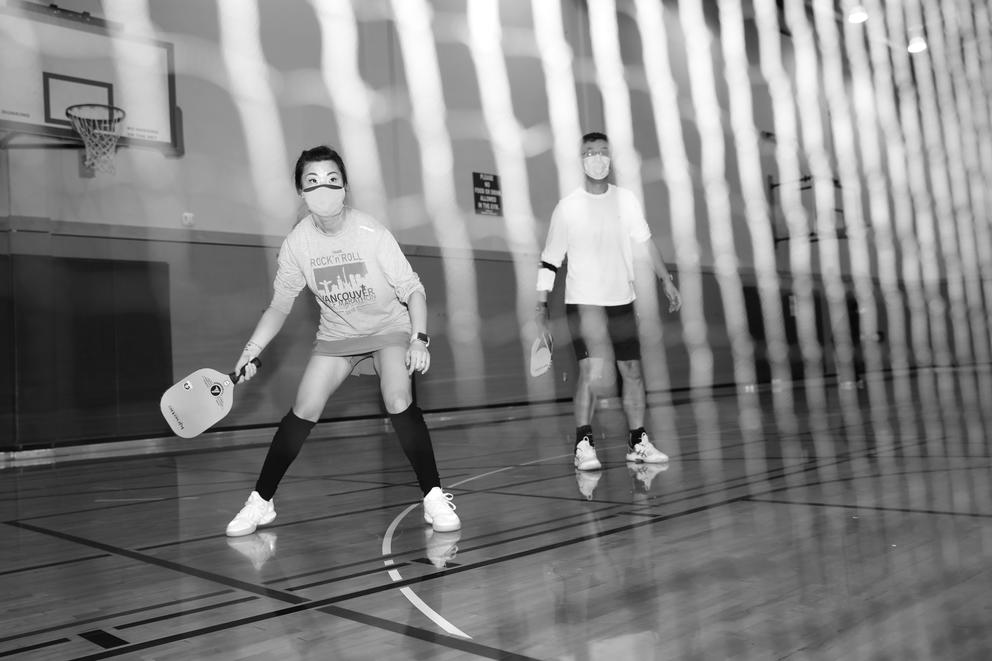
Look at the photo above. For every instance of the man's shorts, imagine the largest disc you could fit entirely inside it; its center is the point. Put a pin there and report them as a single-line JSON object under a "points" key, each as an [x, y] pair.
{"points": [[594, 326]]}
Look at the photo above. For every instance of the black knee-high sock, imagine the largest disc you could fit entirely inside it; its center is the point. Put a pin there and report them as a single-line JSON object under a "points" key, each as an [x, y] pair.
{"points": [[285, 445], [415, 440]]}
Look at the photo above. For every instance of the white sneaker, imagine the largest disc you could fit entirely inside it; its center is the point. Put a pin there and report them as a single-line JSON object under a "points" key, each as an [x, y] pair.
{"points": [[587, 482], [441, 546], [256, 512], [585, 456], [646, 453], [257, 548], [439, 511]]}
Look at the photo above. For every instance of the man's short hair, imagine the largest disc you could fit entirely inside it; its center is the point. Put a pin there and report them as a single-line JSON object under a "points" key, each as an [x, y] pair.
{"points": [[593, 136]]}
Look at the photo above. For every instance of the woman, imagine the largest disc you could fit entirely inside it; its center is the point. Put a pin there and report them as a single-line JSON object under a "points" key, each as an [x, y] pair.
{"points": [[373, 318]]}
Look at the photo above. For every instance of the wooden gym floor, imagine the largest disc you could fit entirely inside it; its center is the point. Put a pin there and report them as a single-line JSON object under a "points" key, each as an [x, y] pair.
{"points": [[860, 528]]}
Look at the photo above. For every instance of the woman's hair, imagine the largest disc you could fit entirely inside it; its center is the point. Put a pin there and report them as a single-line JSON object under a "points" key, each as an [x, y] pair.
{"points": [[315, 155]]}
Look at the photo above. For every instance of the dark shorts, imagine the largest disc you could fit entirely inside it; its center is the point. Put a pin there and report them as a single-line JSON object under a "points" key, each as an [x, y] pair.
{"points": [[595, 325]]}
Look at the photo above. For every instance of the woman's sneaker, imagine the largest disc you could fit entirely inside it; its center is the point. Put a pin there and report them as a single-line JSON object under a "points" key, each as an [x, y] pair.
{"points": [[646, 453], [439, 511], [256, 512]]}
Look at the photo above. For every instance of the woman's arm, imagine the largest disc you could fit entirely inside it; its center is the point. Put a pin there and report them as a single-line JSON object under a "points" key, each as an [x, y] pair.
{"points": [[417, 306], [418, 358], [268, 327]]}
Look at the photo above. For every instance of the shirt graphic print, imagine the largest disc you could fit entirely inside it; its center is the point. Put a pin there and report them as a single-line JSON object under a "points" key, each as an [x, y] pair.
{"points": [[342, 280]]}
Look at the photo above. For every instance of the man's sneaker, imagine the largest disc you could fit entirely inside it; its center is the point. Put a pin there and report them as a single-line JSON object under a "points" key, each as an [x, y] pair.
{"points": [[585, 456], [645, 473], [258, 548], [439, 511], [256, 512], [646, 453], [441, 547], [587, 482]]}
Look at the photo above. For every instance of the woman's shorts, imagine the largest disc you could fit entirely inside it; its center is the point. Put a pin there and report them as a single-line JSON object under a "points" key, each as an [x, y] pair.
{"points": [[359, 350]]}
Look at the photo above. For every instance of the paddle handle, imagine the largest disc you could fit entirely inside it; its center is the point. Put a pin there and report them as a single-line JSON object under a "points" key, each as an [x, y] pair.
{"points": [[237, 377]]}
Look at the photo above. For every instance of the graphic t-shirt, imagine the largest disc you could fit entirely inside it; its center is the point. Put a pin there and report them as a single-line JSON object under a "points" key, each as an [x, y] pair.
{"points": [[359, 276], [595, 232]]}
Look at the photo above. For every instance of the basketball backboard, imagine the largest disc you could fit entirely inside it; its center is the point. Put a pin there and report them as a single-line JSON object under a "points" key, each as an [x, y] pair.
{"points": [[52, 58]]}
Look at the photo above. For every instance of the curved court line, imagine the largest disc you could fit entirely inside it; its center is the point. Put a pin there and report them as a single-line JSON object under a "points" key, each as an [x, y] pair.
{"points": [[394, 574], [411, 596]]}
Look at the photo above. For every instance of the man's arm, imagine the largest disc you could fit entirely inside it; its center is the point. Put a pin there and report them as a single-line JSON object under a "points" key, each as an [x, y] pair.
{"points": [[662, 272], [552, 258]]}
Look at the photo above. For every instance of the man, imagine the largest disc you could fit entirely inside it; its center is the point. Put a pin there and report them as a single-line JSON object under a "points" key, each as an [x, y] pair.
{"points": [[602, 230]]}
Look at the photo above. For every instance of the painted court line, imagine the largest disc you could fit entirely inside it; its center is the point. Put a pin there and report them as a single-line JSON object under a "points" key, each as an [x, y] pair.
{"points": [[394, 574]]}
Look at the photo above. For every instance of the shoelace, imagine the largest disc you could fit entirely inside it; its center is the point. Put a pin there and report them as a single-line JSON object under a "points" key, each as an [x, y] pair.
{"points": [[448, 497]]}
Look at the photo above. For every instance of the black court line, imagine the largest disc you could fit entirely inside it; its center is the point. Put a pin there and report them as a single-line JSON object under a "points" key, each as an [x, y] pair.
{"points": [[430, 563], [636, 513], [872, 508], [330, 601], [49, 565], [31, 648], [167, 499], [337, 579], [183, 613], [111, 616], [453, 642], [165, 564]]}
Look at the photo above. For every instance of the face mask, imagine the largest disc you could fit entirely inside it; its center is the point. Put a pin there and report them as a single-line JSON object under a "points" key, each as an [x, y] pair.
{"points": [[324, 199], [596, 166]]}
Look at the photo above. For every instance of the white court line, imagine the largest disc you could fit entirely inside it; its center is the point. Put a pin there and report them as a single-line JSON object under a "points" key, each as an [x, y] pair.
{"points": [[394, 574]]}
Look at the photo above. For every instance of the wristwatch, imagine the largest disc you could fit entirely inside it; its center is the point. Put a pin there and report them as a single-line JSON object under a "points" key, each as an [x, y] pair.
{"points": [[422, 337]]}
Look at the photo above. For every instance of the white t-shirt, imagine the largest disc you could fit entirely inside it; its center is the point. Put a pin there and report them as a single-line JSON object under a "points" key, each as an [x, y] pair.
{"points": [[360, 277], [596, 232]]}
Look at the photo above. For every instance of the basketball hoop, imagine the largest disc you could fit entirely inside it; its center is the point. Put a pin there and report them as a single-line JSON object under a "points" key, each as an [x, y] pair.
{"points": [[100, 128]]}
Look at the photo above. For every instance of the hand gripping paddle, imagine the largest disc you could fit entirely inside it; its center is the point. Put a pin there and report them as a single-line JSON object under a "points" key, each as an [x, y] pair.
{"points": [[199, 401]]}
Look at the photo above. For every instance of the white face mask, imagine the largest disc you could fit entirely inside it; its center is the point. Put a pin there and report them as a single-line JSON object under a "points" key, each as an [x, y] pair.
{"points": [[596, 166], [324, 199]]}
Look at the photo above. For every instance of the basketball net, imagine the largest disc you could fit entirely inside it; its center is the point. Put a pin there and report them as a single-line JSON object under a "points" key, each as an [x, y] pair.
{"points": [[100, 128]]}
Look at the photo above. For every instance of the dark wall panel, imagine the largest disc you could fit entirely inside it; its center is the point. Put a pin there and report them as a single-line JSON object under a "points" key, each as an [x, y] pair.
{"points": [[6, 355], [93, 348]]}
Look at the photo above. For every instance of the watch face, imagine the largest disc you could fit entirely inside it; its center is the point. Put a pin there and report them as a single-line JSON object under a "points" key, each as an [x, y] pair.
{"points": [[425, 338]]}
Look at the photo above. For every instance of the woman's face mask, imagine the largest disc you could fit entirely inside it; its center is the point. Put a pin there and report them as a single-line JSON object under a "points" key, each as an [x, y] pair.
{"points": [[324, 199], [597, 166]]}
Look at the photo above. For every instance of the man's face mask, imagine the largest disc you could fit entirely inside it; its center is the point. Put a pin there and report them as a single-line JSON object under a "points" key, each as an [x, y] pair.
{"points": [[596, 166], [324, 199]]}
